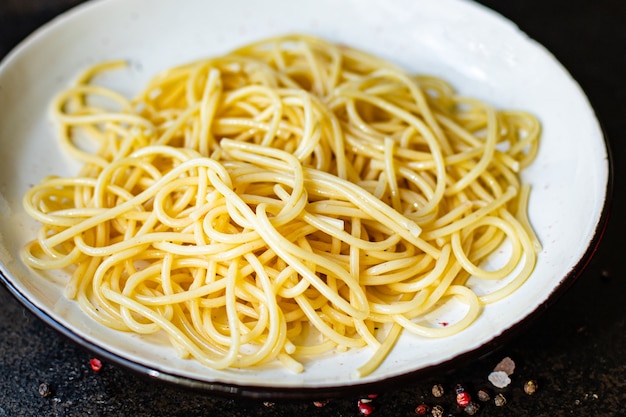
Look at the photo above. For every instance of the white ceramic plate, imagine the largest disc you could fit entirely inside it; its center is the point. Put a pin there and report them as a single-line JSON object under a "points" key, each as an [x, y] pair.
{"points": [[479, 52]]}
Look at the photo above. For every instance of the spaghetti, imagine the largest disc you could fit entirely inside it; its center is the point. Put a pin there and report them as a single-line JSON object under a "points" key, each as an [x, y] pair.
{"points": [[291, 198]]}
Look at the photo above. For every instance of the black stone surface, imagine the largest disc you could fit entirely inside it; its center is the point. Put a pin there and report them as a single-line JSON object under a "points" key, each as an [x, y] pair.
{"points": [[575, 351]]}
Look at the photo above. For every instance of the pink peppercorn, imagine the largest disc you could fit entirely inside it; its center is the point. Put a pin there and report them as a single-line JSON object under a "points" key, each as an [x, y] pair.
{"points": [[422, 409], [365, 407], [95, 364], [463, 398]]}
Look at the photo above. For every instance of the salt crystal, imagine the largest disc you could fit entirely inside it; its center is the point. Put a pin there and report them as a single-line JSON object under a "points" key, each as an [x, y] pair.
{"points": [[499, 379], [506, 365]]}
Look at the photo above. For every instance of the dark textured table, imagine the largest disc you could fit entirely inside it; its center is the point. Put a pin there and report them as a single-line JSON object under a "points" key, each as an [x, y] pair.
{"points": [[576, 351]]}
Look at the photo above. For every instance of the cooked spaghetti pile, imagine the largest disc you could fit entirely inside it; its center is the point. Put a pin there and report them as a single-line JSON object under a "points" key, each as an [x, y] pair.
{"points": [[288, 199]]}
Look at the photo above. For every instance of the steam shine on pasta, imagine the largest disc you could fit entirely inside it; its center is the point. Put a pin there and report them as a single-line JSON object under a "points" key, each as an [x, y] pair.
{"points": [[289, 199]]}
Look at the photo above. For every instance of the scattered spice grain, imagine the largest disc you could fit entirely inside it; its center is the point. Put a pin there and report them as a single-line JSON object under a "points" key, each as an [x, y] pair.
{"points": [[437, 390], [499, 379], [44, 389], [530, 387], [471, 408], [506, 365], [422, 409], [365, 406], [96, 364], [483, 395], [437, 411], [463, 398], [499, 400]]}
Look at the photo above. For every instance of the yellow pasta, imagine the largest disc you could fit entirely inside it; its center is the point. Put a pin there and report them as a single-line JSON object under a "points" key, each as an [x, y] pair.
{"points": [[290, 199]]}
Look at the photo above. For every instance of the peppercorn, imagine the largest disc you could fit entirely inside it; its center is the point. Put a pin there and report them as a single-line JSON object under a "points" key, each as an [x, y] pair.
{"points": [[483, 395], [458, 388], [44, 389], [365, 407], [437, 390], [95, 364], [320, 404], [437, 411], [530, 387], [463, 398], [269, 404], [499, 400], [422, 409], [472, 408]]}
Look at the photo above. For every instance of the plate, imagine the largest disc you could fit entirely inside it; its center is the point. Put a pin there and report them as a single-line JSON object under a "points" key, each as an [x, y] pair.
{"points": [[479, 52]]}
